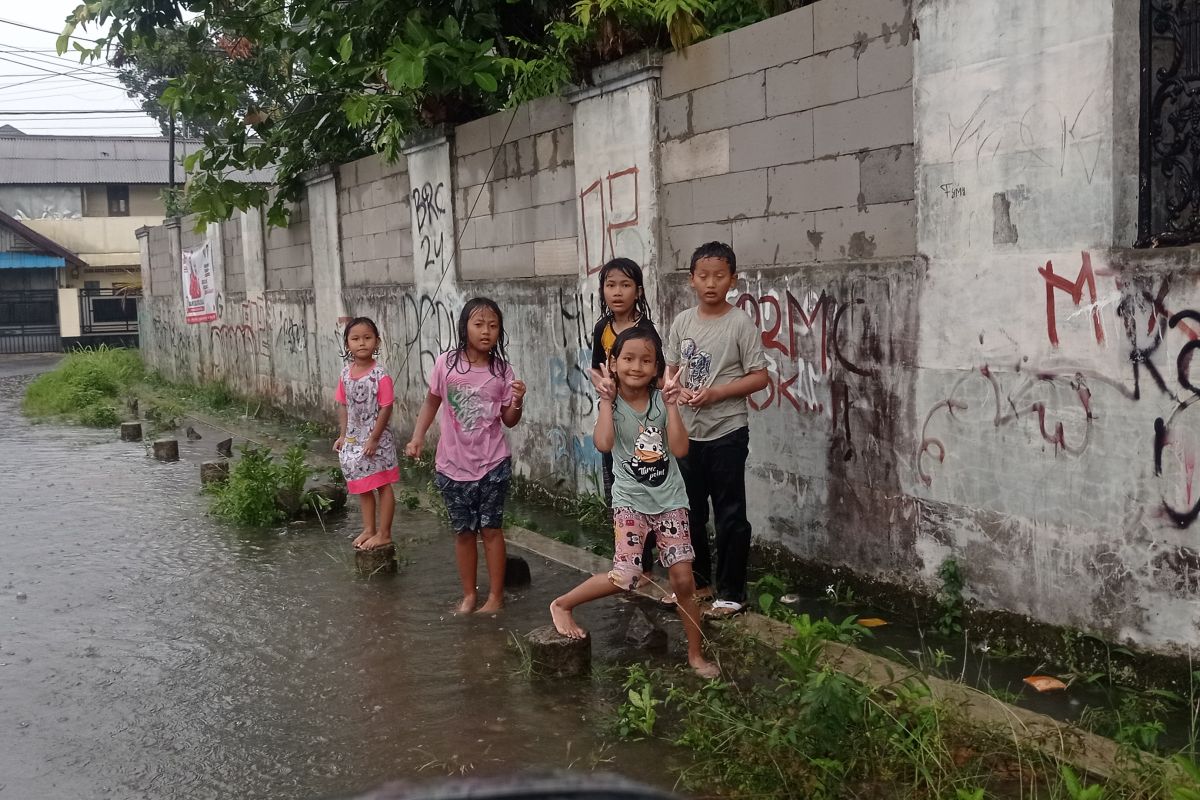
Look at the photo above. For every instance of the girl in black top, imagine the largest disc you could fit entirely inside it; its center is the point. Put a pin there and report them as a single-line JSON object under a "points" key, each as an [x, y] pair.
{"points": [[622, 305]]}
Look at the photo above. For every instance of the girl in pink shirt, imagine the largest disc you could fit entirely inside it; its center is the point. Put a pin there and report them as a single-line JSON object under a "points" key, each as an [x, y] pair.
{"points": [[474, 463], [365, 445]]}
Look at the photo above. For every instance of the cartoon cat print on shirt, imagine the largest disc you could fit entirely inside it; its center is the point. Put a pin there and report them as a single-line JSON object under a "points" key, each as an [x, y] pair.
{"points": [[649, 462]]}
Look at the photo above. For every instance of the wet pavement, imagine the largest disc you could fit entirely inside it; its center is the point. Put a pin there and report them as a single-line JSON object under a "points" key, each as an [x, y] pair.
{"points": [[150, 651]]}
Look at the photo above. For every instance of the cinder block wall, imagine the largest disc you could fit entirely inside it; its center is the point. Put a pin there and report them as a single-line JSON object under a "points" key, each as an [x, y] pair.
{"points": [[373, 206], [164, 279], [289, 252], [235, 264], [515, 193], [793, 138]]}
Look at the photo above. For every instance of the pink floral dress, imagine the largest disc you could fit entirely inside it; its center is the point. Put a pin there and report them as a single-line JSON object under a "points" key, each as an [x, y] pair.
{"points": [[364, 398]]}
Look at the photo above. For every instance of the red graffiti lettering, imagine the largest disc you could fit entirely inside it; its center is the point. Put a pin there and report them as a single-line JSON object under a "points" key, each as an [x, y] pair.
{"points": [[1085, 278]]}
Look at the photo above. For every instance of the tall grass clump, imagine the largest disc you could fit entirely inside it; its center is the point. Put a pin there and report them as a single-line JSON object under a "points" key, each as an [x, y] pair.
{"points": [[264, 490], [87, 386]]}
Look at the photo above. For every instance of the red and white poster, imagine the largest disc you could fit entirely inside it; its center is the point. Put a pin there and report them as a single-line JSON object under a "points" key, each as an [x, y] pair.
{"points": [[199, 286]]}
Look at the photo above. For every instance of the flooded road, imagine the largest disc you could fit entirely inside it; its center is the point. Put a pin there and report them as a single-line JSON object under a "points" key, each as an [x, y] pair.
{"points": [[149, 651]]}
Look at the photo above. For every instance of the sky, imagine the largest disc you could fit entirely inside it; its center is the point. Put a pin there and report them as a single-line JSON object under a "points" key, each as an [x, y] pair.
{"points": [[32, 79]]}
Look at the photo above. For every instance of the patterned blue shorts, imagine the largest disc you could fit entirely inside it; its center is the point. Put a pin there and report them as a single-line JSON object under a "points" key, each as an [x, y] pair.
{"points": [[476, 505]]}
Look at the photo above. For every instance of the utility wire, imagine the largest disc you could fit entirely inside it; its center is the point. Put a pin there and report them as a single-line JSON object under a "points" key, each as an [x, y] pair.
{"points": [[63, 60], [45, 30], [52, 72], [54, 112]]}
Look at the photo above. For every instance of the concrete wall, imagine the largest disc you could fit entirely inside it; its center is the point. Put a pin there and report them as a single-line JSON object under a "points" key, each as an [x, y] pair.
{"points": [[144, 200], [289, 252], [373, 198], [514, 176], [966, 360], [792, 138], [164, 278], [231, 250], [1054, 456]]}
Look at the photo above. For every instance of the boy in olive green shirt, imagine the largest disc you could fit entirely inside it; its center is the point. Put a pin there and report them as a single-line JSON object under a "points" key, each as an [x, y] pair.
{"points": [[719, 353]]}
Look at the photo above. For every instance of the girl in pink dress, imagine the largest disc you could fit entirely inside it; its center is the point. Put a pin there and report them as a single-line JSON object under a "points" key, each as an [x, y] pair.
{"points": [[365, 447]]}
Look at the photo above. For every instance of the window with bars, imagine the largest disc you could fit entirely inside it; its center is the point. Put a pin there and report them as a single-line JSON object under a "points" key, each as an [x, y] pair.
{"points": [[1169, 187]]}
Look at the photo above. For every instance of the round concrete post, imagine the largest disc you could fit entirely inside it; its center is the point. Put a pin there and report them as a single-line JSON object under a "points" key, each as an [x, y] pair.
{"points": [[381, 561], [166, 450], [131, 431], [556, 656], [214, 472]]}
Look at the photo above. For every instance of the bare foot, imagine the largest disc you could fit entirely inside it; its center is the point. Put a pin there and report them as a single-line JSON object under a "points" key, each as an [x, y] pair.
{"points": [[492, 605], [564, 622], [704, 668], [378, 541], [362, 537], [467, 604]]}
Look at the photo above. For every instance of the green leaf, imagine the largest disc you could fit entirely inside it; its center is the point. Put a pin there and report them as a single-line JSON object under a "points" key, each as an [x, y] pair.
{"points": [[450, 28], [63, 42], [486, 82], [345, 48]]}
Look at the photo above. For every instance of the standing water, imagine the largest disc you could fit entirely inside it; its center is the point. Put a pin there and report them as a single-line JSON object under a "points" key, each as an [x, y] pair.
{"points": [[150, 651]]}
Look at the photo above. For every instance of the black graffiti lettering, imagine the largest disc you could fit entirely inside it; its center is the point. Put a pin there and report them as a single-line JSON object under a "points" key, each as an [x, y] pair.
{"points": [[427, 200]]}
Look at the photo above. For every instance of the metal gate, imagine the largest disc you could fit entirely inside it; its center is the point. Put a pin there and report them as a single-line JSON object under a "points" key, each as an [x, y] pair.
{"points": [[29, 322], [108, 311]]}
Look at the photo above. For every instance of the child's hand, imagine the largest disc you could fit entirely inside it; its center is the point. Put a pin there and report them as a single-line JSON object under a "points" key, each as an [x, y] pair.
{"points": [[606, 387], [370, 447], [518, 390], [337, 445], [703, 397], [672, 392], [414, 447]]}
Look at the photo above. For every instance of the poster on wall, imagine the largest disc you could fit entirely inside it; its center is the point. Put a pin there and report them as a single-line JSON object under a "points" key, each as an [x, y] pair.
{"points": [[199, 287]]}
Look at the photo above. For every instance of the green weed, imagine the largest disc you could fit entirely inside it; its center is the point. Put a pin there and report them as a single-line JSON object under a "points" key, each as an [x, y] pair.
{"points": [[262, 490], [637, 715], [949, 599], [87, 386], [248, 496]]}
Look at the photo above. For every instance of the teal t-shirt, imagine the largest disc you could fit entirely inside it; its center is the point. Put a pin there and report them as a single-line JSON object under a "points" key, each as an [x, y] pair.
{"points": [[645, 476]]}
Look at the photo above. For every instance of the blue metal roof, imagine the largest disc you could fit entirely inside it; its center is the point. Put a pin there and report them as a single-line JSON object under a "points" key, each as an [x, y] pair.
{"points": [[30, 261]]}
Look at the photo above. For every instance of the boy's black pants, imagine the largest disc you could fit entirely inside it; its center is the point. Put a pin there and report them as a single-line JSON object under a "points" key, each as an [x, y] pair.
{"points": [[717, 469]]}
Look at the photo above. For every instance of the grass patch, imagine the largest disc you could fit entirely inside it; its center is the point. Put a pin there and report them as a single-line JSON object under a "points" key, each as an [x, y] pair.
{"points": [[88, 387], [782, 723]]}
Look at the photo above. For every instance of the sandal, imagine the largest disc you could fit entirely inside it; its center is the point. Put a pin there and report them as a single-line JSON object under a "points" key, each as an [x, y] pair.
{"points": [[670, 601], [723, 609]]}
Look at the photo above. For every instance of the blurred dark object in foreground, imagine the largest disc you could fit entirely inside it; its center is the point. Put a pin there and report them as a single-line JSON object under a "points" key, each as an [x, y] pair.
{"points": [[560, 786]]}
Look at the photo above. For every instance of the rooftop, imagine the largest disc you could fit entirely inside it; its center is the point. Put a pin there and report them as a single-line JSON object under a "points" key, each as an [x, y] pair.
{"points": [[29, 159]]}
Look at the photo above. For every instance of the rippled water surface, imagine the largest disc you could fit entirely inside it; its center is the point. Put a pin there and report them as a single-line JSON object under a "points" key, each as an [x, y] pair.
{"points": [[149, 651]]}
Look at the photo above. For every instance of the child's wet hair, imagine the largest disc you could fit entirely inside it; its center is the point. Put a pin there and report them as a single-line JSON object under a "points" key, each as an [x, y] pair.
{"points": [[718, 250], [630, 269], [660, 360], [647, 334], [351, 325], [498, 357]]}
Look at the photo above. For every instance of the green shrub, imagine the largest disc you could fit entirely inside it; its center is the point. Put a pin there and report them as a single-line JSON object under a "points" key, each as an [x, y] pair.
{"points": [[248, 496], [87, 386]]}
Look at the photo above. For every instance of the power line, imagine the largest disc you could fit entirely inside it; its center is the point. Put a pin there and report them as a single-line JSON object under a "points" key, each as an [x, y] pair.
{"points": [[44, 30], [52, 72], [54, 112], [61, 61]]}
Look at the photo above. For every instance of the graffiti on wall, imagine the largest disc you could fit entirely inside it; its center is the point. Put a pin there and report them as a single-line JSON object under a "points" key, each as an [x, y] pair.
{"points": [[1061, 402], [609, 215], [802, 338], [429, 206]]}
